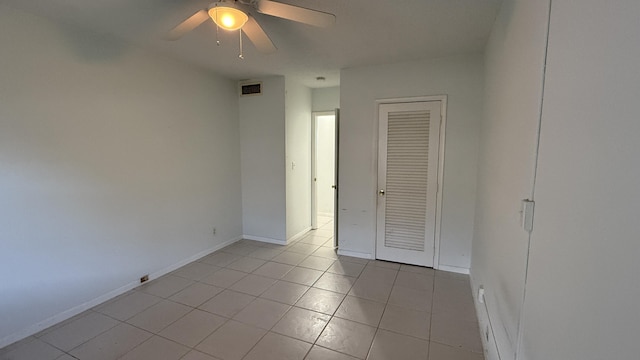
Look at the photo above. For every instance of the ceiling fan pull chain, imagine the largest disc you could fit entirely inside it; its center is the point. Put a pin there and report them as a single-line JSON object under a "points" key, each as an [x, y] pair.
{"points": [[241, 56], [217, 30]]}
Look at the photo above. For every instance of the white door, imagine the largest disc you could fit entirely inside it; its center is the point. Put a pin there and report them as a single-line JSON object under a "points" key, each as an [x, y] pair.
{"points": [[409, 137]]}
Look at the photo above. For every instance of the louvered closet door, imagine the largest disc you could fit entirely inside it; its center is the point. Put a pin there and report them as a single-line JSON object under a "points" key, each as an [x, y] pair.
{"points": [[407, 181]]}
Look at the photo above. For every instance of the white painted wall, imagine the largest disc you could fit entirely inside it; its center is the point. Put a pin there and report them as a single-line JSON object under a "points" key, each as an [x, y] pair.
{"points": [[458, 77], [326, 99], [262, 139], [325, 166], [114, 163], [298, 158], [514, 61], [583, 287]]}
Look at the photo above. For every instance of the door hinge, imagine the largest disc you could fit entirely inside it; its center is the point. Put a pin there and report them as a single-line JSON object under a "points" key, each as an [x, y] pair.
{"points": [[528, 208]]}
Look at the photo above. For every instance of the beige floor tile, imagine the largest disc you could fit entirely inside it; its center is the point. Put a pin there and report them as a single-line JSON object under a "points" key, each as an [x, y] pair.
{"points": [[444, 352], [320, 300], [326, 253], [219, 258], [317, 263], [371, 289], [273, 270], [451, 275], [302, 276], [306, 249], [414, 280], [196, 270], [290, 258], [242, 249], [389, 345], [265, 253], [165, 286], [196, 294], [406, 321], [353, 259], [111, 344], [277, 347], [123, 308], [262, 313], [224, 278], [384, 264], [360, 310], [232, 341], [285, 292], [159, 316], [320, 353], [335, 282], [227, 303], [65, 357], [80, 330], [31, 350], [346, 268], [449, 329], [316, 240], [347, 337], [197, 355], [417, 269], [246, 264], [411, 298], [157, 348], [253, 284], [380, 274], [302, 324], [193, 327]]}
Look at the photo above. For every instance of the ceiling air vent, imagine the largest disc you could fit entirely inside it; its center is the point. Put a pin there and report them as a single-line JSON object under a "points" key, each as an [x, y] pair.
{"points": [[251, 89]]}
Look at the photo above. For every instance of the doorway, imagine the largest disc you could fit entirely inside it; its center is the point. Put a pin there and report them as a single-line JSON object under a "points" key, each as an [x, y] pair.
{"points": [[324, 177], [410, 135]]}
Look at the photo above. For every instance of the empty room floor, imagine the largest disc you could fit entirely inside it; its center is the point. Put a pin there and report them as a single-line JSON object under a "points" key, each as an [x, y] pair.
{"points": [[258, 301]]}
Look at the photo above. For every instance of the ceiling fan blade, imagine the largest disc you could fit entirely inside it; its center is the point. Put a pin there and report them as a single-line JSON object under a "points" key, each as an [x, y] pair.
{"points": [[258, 37], [191, 23], [296, 13]]}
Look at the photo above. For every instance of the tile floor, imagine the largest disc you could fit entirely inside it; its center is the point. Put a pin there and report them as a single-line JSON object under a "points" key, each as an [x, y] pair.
{"points": [[257, 301]]}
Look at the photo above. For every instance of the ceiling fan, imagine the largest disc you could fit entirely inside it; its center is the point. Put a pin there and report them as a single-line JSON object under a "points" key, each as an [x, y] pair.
{"points": [[234, 15]]}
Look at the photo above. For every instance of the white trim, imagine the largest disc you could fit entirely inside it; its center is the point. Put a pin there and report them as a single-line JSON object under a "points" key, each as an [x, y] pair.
{"points": [[455, 269], [326, 214], [441, 158], [486, 329], [67, 314], [265, 239], [356, 254], [299, 235]]}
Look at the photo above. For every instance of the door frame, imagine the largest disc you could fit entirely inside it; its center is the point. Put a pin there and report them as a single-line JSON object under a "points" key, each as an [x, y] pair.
{"points": [[441, 151], [314, 162]]}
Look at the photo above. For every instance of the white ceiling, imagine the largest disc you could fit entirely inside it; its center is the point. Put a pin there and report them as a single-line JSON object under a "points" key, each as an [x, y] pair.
{"points": [[367, 32]]}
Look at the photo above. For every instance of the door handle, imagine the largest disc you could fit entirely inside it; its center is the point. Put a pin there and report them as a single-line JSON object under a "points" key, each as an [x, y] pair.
{"points": [[381, 192], [334, 187]]}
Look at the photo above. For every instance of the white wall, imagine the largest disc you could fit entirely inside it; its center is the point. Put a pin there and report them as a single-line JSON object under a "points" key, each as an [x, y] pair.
{"points": [[325, 163], [262, 139], [298, 158], [458, 77], [326, 99], [514, 61], [583, 287], [114, 163]]}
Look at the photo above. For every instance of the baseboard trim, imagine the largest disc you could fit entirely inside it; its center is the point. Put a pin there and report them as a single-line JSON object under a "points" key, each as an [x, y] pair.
{"points": [[298, 235], [354, 254], [67, 314], [455, 269], [486, 329], [265, 239]]}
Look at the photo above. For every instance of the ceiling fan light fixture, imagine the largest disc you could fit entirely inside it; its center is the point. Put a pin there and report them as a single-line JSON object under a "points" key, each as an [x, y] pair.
{"points": [[228, 18]]}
